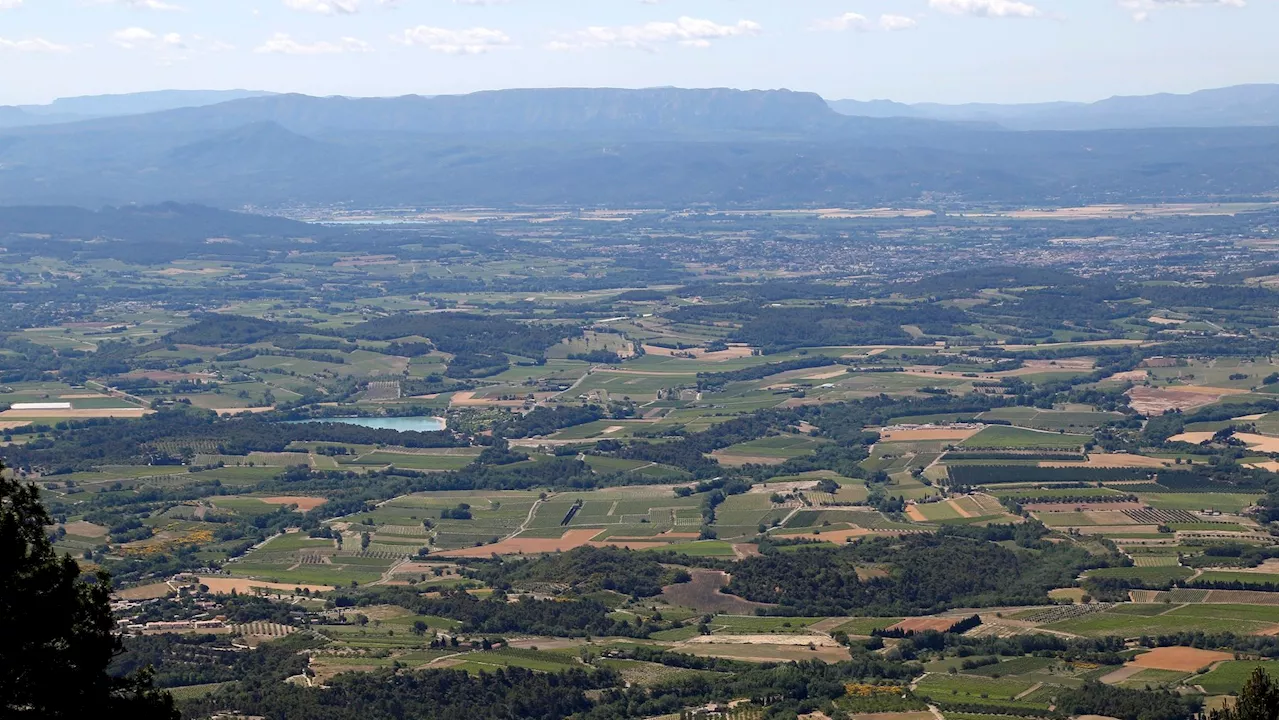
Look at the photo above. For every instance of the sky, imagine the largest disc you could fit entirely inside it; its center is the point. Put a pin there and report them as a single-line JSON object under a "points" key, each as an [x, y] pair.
{"points": [[947, 51]]}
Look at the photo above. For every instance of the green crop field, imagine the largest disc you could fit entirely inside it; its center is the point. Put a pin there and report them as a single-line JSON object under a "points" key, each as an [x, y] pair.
{"points": [[1003, 436], [947, 687], [1222, 502], [1211, 576], [1071, 421], [1206, 618], [1148, 574], [1228, 677]]}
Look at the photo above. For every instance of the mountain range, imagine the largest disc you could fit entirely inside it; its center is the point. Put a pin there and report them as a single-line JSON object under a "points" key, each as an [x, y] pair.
{"points": [[579, 147], [1238, 105], [86, 107]]}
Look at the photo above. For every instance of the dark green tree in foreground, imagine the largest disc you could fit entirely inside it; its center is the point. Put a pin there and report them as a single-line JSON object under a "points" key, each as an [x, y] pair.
{"points": [[58, 631], [1259, 700]]}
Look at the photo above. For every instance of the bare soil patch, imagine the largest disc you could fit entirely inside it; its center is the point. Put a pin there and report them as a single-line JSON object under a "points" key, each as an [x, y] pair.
{"points": [[1195, 438], [761, 639], [167, 375], [1155, 401], [362, 260], [1257, 443], [1185, 659], [736, 350], [826, 375], [1109, 517], [129, 412], [521, 546], [237, 411], [1261, 443], [868, 573], [848, 534], [1072, 594], [145, 592], [1243, 597], [468, 399], [732, 460], [1111, 460], [920, 715], [1082, 507], [85, 529], [1128, 376], [245, 585], [304, 503], [628, 544], [1123, 673], [771, 653], [892, 435], [1075, 363], [1121, 529], [918, 624], [914, 513], [702, 593]]}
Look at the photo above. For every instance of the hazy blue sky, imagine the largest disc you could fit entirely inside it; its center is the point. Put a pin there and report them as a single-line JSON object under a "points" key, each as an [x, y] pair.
{"points": [[908, 50]]}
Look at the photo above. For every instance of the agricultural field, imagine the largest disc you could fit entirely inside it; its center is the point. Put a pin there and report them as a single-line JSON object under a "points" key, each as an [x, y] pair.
{"points": [[534, 445], [1002, 436]]}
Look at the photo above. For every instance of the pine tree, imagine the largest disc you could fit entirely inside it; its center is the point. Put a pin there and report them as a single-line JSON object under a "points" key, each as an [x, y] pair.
{"points": [[59, 632]]}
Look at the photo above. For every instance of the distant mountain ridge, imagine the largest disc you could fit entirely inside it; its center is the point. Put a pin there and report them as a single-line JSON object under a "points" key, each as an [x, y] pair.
{"points": [[664, 147], [71, 109], [551, 110], [1235, 106]]}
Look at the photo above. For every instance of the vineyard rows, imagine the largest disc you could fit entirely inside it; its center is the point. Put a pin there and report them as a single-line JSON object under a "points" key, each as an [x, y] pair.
{"points": [[1065, 612], [1151, 516], [266, 629]]}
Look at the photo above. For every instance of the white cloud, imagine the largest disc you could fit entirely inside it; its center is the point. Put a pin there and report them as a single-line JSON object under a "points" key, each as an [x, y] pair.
{"points": [[136, 38], [481, 2], [896, 22], [335, 7], [324, 7], [471, 41], [284, 44], [1141, 9], [686, 31], [986, 8], [140, 4], [9, 4], [167, 48], [847, 21], [860, 23], [32, 45]]}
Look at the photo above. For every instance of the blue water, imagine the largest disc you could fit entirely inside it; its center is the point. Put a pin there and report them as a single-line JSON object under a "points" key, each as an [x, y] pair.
{"points": [[399, 424]]}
